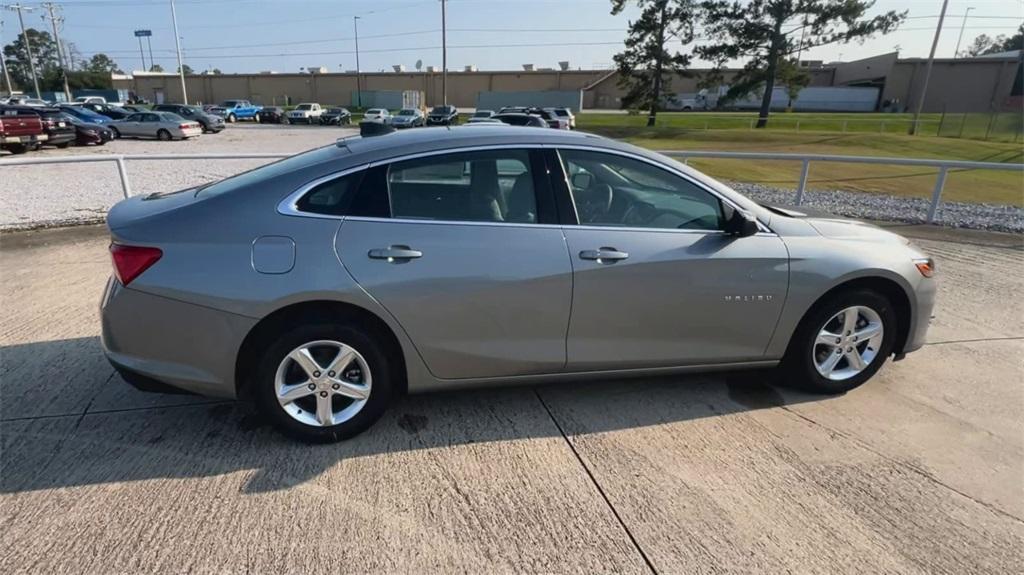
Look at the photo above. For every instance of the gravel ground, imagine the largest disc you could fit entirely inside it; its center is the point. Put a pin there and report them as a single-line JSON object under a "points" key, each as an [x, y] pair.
{"points": [[53, 195]]}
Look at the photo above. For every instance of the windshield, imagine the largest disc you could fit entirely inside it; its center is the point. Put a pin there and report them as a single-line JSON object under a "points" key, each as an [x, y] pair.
{"points": [[305, 107], [336, 111], [483, 114], [407, 113], [375, 111], [268, 171], [86, 113], [230, 103], [441, 110]]}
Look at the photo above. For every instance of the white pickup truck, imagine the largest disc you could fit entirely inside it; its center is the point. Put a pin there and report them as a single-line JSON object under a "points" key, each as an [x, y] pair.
{"points": [[307, 113]]}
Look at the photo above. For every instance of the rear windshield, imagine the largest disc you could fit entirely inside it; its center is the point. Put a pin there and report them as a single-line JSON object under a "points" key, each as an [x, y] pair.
{"points": [[407, 113], [305, 107]]}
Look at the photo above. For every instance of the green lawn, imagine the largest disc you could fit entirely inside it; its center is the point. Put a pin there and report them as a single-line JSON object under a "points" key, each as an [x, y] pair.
{"points": [[989, 186], [1006, 127]]}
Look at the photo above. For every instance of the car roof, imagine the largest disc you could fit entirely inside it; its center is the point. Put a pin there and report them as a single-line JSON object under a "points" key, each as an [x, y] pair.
{"points": [[428, 139]]}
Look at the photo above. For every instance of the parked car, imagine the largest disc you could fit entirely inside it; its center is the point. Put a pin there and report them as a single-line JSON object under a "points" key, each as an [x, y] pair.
{"points": [[272, 115], [159, 125], [136, 108], [21, 129], [550, 117], [235, 110], [513, 110], [306, 113], [91, 100], [327, 284], [378, 115], [480, 116], [443, 116], [86, 133], [408, 118], [112, 112], [86, 115], [517, 119], [565, 114], [210, 123], [336, 117], [59, 131], [22, 100]]}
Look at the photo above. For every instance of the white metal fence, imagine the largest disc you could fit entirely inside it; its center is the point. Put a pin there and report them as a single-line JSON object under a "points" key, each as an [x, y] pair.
{"points": [[943, 166]]}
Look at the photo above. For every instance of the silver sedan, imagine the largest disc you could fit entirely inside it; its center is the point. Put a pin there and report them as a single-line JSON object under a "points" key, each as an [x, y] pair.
{"points": [[159, 125], [327, 284]]}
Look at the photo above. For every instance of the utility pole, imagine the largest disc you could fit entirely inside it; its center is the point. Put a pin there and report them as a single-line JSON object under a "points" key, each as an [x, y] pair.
{"points": [[28, 45], [956, 52], [149, 42], [359, 87], [141, 53], [3, 64], [177, 46], [444, 55], [50, 7], [928, 70]]}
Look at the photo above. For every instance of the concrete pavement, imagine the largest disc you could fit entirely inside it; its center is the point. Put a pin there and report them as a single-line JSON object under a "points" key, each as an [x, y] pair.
{"points": [[921, 470]]}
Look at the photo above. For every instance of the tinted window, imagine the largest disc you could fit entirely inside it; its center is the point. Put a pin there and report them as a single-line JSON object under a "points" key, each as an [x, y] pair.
{"points": [[485, 186], [612, 190]]}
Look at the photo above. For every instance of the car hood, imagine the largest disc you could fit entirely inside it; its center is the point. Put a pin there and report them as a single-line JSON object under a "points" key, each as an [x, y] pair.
{"points": [[845, 229], [403, 118]]}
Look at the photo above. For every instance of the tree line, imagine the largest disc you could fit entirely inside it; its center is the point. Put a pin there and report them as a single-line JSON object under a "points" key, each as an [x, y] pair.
{"points": [[768, 34]]}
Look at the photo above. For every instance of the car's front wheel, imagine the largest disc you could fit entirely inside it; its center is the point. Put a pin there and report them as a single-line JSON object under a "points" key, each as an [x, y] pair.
{"points": [[324, 382], [841, 343], [231, 118]]}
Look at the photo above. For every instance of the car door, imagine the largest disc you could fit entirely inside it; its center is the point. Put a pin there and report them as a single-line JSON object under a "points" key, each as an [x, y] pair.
{"points": [[472, 263], [148, 125], [656, 281], [130, 125]]}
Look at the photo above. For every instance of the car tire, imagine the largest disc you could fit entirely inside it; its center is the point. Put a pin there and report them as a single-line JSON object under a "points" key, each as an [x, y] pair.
{"points": [[163, 135], [231, 118], [18, 149], [63, 145], [117, 134], [256, 119], [276, 371], [808, 358]]}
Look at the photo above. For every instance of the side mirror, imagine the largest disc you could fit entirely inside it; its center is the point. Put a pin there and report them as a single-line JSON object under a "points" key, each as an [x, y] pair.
{"points": [[741, 224], [581, 180]]}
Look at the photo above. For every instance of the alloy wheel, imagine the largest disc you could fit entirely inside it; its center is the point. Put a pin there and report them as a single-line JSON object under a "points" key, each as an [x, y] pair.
{"points": [[848, 343], [323, 383]]}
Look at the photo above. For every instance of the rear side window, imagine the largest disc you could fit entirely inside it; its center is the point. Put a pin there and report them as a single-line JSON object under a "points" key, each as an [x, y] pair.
{"points": [[363, 193], [484, 186]]}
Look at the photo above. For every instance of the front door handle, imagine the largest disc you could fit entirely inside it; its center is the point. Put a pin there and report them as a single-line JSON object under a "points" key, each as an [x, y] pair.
{"points": [[604, 255], [395, 254]]}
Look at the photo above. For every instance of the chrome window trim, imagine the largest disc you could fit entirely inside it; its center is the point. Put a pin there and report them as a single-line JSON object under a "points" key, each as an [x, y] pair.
{"points": [[454, 222], [288, 206]]}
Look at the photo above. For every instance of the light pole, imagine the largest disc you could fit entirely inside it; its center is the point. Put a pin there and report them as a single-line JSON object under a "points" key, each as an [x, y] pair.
{"points": [[359, 86], [141, 53], [444, 56], [177, 46], [28, 45], [60, 51], [928, 69], [963, 25], [3, 64]]}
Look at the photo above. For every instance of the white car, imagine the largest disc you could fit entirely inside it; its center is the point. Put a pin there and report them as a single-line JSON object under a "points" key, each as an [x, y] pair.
{"points": [[307, 113], [378, 115]]}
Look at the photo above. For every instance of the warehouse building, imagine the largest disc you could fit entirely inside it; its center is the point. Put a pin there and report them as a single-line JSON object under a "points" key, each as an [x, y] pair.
{"points": [[980, 84]]}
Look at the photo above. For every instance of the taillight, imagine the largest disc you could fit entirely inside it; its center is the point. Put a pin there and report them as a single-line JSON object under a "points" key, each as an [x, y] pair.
{"points": [[130, 261], [184, 126]]}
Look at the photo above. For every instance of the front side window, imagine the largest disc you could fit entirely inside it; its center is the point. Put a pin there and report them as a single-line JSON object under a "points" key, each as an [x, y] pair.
{"points": [[484, 186], [613, 190]]}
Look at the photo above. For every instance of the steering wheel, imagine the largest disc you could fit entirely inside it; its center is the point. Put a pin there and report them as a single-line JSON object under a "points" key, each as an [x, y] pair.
{"points": [[640, 212], [595, 202]]}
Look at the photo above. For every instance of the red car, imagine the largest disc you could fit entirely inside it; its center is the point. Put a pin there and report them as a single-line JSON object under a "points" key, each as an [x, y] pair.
{"points": [[20, 130]]}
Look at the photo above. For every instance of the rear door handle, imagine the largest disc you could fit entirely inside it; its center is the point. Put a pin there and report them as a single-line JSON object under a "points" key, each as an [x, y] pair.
{"points": [[604, 255], [395, 254]]}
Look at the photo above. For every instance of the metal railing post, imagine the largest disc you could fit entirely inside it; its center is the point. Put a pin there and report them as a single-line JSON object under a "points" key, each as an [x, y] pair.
{"points": [[844, 126], [937, 195], [803, 182], [122, 170], [798, 125]]}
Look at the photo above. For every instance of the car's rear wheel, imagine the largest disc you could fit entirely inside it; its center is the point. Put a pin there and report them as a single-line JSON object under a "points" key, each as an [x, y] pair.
{"points": [[163, 135], [324, 382], [841, 343], [256, 118], [18, 148], [63, 145]]}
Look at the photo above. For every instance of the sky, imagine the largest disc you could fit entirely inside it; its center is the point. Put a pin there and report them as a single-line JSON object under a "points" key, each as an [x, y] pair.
{"points": [[286, 35]]}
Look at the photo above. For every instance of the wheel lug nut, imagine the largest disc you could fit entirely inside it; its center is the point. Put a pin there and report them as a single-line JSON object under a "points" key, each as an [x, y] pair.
{"points": [[316, 374], [839, 350], [849, 349], [323, 394], [335, 386], [839, 340], [312, 387], [331, 373]]}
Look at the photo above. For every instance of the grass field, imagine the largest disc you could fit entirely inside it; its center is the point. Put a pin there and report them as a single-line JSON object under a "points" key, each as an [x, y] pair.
{"points": [[1005, 127], [988, 186]]}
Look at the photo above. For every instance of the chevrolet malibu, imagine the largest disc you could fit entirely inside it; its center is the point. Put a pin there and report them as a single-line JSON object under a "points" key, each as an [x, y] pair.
{"points": [[325, 285]]}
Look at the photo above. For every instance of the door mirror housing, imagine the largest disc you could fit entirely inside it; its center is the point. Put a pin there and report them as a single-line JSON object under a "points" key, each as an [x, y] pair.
{"points": [[581, 180], [740, 224]]}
